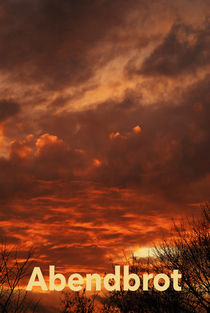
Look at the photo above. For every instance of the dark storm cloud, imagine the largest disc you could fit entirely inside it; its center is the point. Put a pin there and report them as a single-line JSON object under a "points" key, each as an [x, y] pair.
{"points": [[53, 42], [184, 49], [170, 152], [8, 109], [168, 157]]}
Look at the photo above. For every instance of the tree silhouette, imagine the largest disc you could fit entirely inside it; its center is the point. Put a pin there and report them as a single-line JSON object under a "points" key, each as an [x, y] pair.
{"points": [[151, 301], [13, 299], [76, 302], [187, 252]]}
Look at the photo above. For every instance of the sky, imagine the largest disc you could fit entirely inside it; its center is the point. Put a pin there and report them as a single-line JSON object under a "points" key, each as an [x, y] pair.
{"points": [[104, 125]]}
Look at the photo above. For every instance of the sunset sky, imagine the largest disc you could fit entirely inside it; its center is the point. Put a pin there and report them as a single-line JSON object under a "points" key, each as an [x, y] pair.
{"points": [[104, 125]]}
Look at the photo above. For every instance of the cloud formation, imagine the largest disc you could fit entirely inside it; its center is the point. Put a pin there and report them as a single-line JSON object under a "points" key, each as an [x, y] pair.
{"points": [[184, 50], [54, 42], [104, 125], [8, 109]]}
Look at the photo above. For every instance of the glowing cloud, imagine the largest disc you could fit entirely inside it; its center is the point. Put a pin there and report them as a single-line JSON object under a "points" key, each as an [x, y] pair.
{"points": [[144, 252], [114, 135], [137, 129], [97, 163], [45, 140]]}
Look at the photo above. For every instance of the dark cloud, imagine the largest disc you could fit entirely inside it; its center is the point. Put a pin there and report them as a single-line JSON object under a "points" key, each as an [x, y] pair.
{"points": [[164, 155], [184, 50], [54, 42], [8, 108], [168, 155]]}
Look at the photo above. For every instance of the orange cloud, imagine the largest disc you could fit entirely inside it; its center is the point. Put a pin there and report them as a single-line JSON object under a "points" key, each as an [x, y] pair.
{"points": [[97, 162], [19, 148], [114, 135], [137, 129], [45, 140]]}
